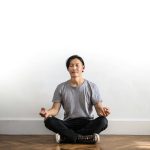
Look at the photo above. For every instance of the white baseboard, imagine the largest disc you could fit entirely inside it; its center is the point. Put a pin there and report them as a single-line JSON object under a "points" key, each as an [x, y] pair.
{"points": [[128, 127], [37, 127]]}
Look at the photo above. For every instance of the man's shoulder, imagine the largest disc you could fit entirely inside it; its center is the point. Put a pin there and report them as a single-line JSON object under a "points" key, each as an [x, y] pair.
{"points": [[62, 84], [90, 83]]}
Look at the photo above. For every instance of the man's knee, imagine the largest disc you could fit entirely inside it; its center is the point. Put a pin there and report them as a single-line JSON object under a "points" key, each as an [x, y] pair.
{"points": [[103, 121], [49, 122]]}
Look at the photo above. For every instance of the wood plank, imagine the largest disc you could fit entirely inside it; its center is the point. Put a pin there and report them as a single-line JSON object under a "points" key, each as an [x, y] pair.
{"points": [[47, 142]]}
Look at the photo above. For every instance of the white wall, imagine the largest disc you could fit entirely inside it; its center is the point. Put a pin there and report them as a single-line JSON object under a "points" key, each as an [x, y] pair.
{"points": [[36, 38]]}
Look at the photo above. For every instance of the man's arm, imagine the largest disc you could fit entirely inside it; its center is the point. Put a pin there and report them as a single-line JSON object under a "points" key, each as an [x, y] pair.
{"points": [[101, 110], [53, 111]]}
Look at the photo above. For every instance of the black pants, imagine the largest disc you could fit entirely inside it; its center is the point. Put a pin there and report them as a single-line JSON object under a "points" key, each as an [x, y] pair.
{"points": [[71, 128]]}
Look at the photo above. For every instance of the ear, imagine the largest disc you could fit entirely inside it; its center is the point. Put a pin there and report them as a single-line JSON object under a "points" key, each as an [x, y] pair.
{"points": [[83, 68]]}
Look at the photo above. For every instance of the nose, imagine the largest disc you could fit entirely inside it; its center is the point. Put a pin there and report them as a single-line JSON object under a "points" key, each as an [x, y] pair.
{"points": [[74, 67]]}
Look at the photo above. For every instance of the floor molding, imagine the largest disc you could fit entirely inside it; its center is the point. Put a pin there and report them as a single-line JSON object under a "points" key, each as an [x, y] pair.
{"points": [[37, 127]]}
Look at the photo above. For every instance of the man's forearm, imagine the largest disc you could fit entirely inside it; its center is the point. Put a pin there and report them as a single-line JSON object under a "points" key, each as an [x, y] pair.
{"points": [[52, 112], [99, 109]]}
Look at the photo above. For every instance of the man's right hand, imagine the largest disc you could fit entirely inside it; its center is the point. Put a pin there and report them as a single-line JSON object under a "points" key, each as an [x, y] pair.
{"points": [[43, 112], [53, 111]]}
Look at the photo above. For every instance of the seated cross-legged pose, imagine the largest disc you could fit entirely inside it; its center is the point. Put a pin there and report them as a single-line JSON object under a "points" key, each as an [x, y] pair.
{"points": [[77, 96]]}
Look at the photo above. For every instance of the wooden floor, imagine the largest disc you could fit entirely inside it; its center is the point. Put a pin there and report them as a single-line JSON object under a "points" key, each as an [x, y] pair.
{"points": [[47, 142]]}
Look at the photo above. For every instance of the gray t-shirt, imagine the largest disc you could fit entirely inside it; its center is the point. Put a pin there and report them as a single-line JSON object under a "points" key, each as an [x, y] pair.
{"points": [[77, 101]]}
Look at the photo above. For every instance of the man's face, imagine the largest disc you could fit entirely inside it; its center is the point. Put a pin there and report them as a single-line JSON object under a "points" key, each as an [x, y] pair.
{"points": [[75, 68]]}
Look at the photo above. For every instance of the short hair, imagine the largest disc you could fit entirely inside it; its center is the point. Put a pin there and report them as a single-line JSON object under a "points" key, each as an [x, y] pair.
{"points": [[74, 57]]}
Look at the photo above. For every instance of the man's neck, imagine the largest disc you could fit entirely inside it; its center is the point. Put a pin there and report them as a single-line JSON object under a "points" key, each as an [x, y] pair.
{"points": [[76, 81]]}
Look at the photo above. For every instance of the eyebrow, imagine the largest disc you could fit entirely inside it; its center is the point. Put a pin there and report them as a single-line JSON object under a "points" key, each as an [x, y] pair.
{"points": [[74, 63]]}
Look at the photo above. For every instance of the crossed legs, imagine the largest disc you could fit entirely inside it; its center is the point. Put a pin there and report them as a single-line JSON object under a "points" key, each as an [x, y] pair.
{"points": [[73, 127]]}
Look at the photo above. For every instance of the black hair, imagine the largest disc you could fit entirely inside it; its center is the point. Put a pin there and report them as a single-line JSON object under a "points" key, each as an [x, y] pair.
{"points": [[74, 57]]}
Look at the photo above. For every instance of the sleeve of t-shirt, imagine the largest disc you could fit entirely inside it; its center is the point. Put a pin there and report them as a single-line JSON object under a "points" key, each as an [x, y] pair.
{"points": [[96, 97], [57, 94]]}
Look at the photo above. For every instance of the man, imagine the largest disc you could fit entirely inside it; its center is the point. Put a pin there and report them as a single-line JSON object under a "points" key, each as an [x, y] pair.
{"points": [[77, 96]]}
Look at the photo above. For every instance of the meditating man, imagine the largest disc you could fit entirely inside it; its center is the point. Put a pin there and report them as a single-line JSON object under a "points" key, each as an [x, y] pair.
{"points": [[77, 96]]}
